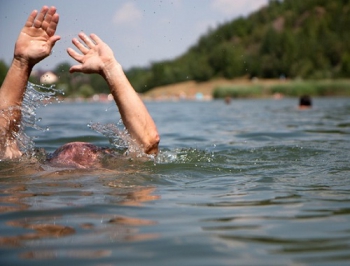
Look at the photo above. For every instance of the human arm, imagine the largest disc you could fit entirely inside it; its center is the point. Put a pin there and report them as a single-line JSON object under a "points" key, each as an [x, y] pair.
{"points": [[33, 44], [97, 57]]}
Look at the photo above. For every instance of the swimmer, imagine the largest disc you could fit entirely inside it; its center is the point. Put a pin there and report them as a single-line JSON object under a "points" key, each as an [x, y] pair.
{"points": [[34, 43], [305, 102]]}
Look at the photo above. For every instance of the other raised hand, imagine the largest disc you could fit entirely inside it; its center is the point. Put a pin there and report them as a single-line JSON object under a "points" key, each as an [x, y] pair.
{"points": [[95, 57]]}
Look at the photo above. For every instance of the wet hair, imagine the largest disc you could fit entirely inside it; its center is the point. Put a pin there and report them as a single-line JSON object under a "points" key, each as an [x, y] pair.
{"points": [[305, 100], [76, 155]]}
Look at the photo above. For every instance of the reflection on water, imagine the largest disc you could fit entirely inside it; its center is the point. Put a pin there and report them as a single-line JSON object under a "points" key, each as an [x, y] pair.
{"points": [[73, 254], [43, 226], [256, 182]]}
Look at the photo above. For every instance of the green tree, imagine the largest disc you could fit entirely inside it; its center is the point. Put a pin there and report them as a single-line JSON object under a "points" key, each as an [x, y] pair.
{"points": [[226, 60], [345, 66], [86, 91], [98, 84]]}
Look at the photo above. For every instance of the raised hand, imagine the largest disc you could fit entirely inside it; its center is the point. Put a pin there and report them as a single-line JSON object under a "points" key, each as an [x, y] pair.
{"points": [[95, 55], [37, 37]]}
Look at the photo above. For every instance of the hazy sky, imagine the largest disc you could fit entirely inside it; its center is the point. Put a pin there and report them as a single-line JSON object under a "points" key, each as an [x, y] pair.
{"points": [[139, 31]]}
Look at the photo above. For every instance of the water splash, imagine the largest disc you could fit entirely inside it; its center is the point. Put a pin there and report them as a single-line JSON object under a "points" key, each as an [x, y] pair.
{"points": [[36, 96], [188, 155], [118, 137]]}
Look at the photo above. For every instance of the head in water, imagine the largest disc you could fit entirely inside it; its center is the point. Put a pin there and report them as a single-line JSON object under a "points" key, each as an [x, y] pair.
{"points": [[305, 101], [77, 155]]}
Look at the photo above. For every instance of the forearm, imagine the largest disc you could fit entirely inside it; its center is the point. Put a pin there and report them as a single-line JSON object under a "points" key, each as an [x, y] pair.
{"points": [[134, 113], [14, 85], [11, 95]]}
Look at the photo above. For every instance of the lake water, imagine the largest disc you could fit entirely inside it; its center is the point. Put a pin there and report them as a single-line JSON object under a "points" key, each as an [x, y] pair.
{"points": [[255, 182]]}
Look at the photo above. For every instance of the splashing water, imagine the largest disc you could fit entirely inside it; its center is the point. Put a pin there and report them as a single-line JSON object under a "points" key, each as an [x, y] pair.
{"points": [[185, 155], [118, 138], [35, 97]]}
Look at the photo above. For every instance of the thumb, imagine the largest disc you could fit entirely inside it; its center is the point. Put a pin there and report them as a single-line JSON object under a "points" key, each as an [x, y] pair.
{"points": [[76, 68], [53, 40]]}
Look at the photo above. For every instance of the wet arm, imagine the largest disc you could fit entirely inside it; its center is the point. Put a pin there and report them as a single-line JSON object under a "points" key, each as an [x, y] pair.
{"points": [[97, 57], [34, 43], [135, 115], [11, 95]]}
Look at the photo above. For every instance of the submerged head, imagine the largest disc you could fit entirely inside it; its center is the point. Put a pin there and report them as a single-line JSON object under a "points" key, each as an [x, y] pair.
{"points": [[77, 154], [305, 101]]}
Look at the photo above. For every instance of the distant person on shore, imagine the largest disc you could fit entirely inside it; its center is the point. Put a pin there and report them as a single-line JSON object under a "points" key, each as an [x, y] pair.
{"points": [[34, 43], [305, 102]]}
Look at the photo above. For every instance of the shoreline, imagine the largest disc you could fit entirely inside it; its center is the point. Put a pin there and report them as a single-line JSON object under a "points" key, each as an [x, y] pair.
{"points": [[235, 88], [192, 90]]}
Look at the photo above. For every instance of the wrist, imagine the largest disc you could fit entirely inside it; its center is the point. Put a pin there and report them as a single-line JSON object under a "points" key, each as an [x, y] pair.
{"points": [[22, 64], [111, 68]]}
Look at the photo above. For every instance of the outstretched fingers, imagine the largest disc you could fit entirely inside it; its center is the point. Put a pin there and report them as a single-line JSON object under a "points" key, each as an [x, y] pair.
{"points": [[76, 56], [47, 19], [82, 48], [89, 43], [40, 18], [79, 58], [95, 38], [87, 56], [31, 18], [51, 29], [50, 21]]}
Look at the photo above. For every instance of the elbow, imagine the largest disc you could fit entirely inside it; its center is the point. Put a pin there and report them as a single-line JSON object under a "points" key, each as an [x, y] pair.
{"points": [[152, 144]]}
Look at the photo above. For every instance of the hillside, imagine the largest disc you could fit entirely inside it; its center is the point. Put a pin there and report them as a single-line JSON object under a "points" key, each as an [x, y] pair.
{"points": [[308, 39]]}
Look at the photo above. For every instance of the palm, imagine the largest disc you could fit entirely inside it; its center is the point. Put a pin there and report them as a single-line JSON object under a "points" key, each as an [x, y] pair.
{"points": [[33, 45], [37, 36], [91, 61]]}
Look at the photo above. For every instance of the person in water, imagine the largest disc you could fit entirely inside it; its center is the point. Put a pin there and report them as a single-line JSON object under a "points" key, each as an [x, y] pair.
{"points": [[305, 102], [34, 43]]}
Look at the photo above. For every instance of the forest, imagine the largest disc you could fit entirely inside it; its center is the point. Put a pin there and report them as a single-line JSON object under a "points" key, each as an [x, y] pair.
{"points": [[293, 39]]}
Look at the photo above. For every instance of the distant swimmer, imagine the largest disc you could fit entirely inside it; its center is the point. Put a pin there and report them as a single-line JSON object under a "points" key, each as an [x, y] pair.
{"points": [[305, 102], [34, 43]]}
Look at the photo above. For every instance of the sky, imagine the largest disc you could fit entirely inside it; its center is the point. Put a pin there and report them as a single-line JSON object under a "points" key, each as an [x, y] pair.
{"points": [[139, 32]]}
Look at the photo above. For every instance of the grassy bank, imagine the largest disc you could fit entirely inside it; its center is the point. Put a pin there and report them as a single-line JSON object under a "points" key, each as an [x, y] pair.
{"points": [[286, 88]]}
